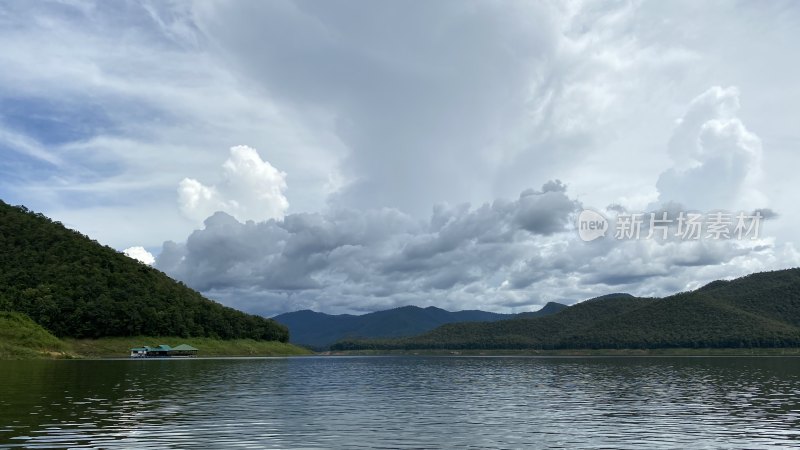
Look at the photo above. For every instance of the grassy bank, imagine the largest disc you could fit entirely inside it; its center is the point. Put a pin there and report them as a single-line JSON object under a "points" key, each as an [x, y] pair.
{"points": [[119, 347], [583, 352], [22, 338]]}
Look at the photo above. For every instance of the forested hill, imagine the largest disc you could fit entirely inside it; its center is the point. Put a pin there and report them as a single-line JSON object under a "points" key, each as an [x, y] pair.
{"points": [[75, 287], [759, 310], [319, 330]]}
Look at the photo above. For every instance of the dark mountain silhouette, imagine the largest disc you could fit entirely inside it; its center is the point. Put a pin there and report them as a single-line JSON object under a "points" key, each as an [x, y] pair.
{"points": [[319, 330]]}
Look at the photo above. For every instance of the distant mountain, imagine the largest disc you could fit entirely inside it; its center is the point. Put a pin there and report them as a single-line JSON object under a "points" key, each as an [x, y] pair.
{"points": [[548, 309], [74, 287], [759, 310], [319, 330]]}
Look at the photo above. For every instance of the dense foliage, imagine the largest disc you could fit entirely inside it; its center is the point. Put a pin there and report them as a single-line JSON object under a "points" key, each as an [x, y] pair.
{"points": [[73, 286], [759, 310], [319, 330]]}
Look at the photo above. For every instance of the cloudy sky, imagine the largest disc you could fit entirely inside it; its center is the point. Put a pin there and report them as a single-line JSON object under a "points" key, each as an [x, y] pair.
{"points": [[349, 156]]}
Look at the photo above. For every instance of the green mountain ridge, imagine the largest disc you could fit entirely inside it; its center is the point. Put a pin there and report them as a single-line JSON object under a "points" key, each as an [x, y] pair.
{"points": [[320, 330], [74, 287], [758, 310]]}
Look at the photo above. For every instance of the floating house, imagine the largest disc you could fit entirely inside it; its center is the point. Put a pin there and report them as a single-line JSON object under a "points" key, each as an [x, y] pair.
{"points": [[183, 350], [164, 351]]}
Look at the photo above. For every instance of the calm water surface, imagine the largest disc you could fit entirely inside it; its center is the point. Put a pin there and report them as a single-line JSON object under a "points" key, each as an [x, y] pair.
{"points": [[402, 402]]}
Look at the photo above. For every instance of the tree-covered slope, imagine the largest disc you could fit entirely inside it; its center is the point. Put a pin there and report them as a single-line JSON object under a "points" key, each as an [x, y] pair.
{"points": [[759, 310], [770, 294], [75, 287], [687, 321], [525, 332], [319, 330]]}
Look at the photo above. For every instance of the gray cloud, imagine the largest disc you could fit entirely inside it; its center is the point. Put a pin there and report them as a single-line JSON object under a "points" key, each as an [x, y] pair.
{"points": [[372, 254], [505, 255], [766, 213], [547, 211]]}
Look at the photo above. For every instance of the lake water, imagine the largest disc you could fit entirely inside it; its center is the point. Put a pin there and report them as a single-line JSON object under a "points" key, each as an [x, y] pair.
{"points": [[402, 402]]}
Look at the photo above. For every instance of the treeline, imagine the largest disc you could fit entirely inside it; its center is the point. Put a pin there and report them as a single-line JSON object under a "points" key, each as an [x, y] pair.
{"points": [[760, 310], [75, 287]]}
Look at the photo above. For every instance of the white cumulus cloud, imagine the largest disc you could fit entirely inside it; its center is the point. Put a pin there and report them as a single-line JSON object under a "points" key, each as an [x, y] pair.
{"points": [[250, 189], [140, 254], [716, 159]]}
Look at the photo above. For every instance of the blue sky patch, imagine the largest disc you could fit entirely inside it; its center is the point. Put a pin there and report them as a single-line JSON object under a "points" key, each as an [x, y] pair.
{"points": [[52, 122]]}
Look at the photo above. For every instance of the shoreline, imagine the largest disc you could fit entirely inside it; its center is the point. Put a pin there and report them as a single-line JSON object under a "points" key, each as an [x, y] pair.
{"points": [[119, 348], [667, 352]]}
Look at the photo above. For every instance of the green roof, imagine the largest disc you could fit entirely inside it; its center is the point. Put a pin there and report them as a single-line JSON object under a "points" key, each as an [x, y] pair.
{"points": [[184, 348]]}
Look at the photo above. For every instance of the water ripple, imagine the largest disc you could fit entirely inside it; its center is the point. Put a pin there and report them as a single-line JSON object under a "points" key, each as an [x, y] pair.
{"points": [[402, 403]]}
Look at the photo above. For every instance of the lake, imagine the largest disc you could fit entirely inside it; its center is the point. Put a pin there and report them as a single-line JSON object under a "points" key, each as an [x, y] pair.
{"points": [[402, 402]]}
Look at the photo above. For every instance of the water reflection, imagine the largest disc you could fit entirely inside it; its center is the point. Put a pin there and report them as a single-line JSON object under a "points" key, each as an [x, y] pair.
{"points": [[401, 403]]}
